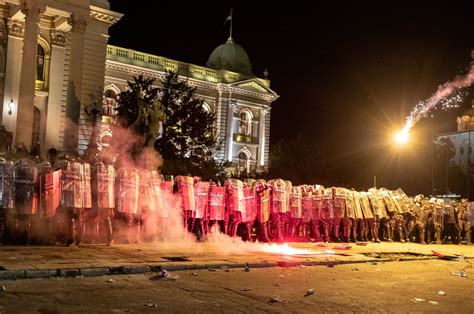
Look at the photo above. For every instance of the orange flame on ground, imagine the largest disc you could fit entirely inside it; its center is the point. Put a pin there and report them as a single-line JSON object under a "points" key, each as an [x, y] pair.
{"points": [[285, 249]]}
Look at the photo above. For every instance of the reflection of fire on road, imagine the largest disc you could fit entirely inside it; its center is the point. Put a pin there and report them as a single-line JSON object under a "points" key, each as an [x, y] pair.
{"points": [[285, 249]]}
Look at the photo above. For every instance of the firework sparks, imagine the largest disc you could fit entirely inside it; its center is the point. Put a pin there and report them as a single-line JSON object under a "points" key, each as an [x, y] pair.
{"points": [[448, 96]]}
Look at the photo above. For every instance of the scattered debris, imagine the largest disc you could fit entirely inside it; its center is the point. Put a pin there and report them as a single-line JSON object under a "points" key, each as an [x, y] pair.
{"points": [[342, 247], [194, 274], [322, 244], [2, 289], [247, 268], [151, 304], [418, 300], [283, 276], [278, 285], [225, 267], [211, 269], [245, 289], [172, 277], [361, 243], [441, 292], [110, 280], [374, 263], [355, 269], [331, 265], [459, 273], [302, 266], [434, 302], [445, 257], [309, 292], [277, 299], [374, 255], [163, 273]]}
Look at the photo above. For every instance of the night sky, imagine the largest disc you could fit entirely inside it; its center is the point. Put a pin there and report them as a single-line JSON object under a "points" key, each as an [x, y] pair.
{"points": [[347, 72]]}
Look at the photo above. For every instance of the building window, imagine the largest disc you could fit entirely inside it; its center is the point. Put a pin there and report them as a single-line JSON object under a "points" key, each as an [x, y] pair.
{"points": [[242, 163], [245, 126], [110, 103], [40, 56]]}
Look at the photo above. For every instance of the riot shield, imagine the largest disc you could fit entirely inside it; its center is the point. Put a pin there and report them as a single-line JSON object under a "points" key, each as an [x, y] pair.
{"points": [[7, 195], [365, 205], [25, 179], [250, 212], [216, 202], [186, 190], [50, 193], [296, 209], [201, 197], [105, 186], [127, 194]]}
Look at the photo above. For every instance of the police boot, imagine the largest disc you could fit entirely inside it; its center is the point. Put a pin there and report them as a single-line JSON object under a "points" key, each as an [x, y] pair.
{"points": [[304, 232], [401, 234], [438, 235], [422, 236], [248, 232], [346, 230], [70, 232], [110, 231], [373, 235], [335, 232], [316, 233], [264, 233]]}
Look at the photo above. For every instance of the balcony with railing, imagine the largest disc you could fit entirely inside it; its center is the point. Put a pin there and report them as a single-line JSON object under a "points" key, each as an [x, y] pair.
{"points": [[132, 57]]}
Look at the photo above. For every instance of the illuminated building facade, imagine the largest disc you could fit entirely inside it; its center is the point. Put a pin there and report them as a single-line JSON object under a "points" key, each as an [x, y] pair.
{"points": [[463, 140], [55, 62]]}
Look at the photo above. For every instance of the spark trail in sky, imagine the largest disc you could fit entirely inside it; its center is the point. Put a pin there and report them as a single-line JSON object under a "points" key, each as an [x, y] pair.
{"points": [[448, 96]]}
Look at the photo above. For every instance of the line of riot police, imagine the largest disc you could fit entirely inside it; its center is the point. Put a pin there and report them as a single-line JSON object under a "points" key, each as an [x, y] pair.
{"points": [[77, 202]]}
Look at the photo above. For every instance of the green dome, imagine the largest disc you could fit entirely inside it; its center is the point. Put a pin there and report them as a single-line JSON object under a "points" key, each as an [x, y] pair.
{"points": [[230, 56]]}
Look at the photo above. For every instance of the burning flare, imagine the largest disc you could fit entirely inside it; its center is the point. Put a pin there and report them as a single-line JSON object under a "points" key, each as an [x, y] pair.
{"points": [[401, 137]]}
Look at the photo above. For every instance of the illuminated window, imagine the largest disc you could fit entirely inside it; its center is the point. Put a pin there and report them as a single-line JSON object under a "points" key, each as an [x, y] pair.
{"points": [[245, 125], [242, 163], [110, 102], [40, 56]]}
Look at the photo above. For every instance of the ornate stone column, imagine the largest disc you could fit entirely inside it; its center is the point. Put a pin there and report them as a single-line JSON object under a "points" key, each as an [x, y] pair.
{"points": [[74, 90], [232, 107], [57, 82], [261, 137], [26, 98]]}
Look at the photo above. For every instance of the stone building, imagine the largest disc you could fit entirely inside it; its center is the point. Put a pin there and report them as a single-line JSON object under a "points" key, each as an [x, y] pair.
{"points": [[463, 140], [55, 63]]}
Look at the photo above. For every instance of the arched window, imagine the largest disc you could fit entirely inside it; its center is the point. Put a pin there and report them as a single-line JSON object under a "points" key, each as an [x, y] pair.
{"points": [[110, 102], [242, 163], [206, 108], [40, 63], [245, 125]]}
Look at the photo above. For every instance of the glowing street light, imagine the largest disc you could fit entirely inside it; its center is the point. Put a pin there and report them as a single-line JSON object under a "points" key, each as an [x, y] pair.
{"points": [[402, 137]]}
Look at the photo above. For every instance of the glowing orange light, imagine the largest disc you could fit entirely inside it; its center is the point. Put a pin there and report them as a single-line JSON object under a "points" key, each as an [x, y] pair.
{"points": [[402, 136], [284, 249]]}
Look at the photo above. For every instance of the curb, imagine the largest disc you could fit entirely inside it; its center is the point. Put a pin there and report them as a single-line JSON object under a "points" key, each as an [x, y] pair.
{"points": [[141, 269]]}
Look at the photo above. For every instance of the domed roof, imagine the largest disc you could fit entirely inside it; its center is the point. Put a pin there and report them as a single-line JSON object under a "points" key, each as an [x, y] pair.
{"points": [[230, 56]]}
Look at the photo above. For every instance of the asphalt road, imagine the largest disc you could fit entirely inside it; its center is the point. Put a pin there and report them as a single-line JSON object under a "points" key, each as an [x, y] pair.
{"points": [[383, 287]]}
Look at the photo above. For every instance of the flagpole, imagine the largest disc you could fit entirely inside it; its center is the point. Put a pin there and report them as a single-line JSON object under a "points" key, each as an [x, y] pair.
{"points": [[231, 21]]}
